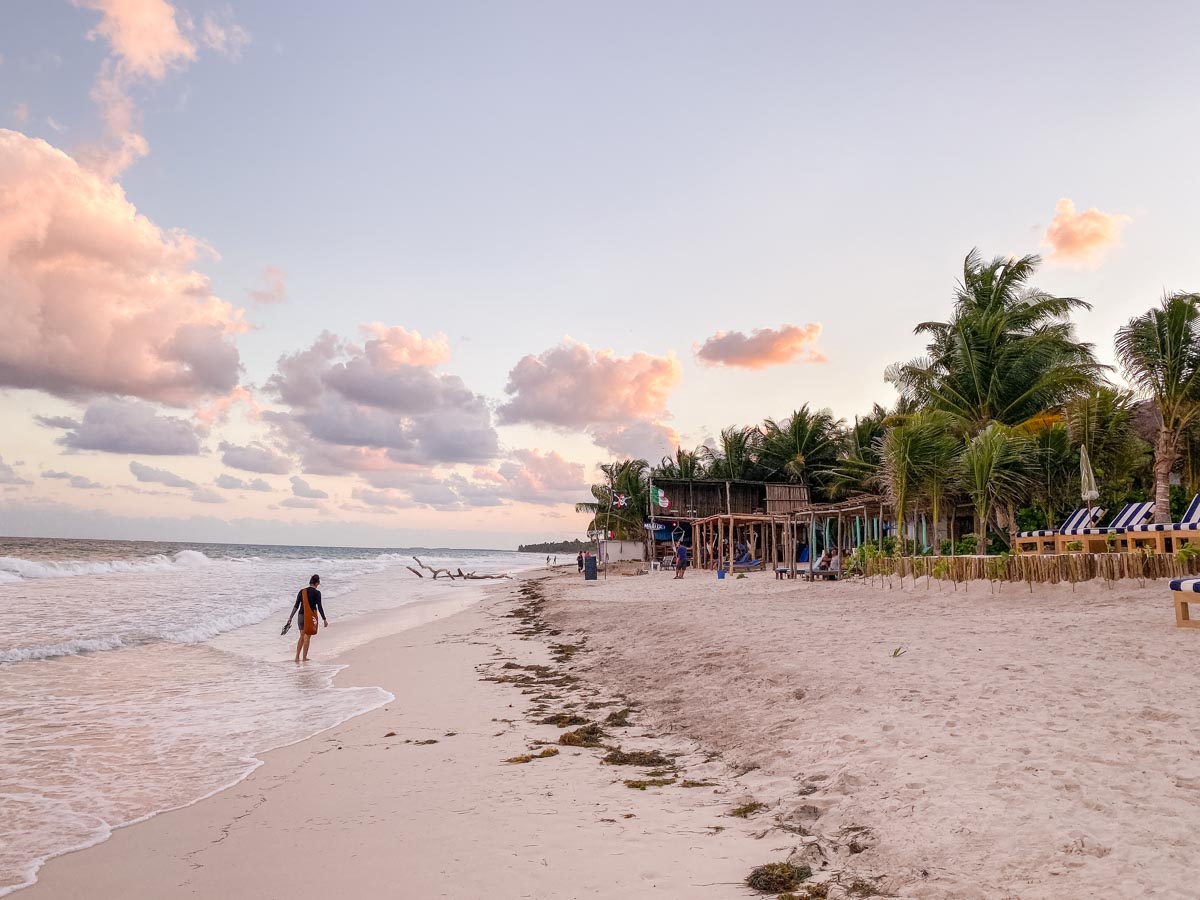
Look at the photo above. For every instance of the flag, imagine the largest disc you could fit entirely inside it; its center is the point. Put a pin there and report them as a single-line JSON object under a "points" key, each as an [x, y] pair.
{"points": [[620, 500], [659, 498]]}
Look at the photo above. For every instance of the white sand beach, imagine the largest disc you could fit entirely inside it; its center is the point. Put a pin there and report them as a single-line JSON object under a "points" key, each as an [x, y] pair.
{"points": [[1038, 745], [1016, 745]]}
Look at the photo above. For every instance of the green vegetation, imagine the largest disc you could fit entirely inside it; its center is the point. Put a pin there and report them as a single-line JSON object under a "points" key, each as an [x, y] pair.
{"points": [[990, 419], [566, 548]]}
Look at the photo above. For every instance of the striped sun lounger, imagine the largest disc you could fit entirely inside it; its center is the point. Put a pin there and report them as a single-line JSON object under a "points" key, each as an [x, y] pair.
{"points": [[1186, 530], [1185, 590], [1043, 541], [1095, 539]]}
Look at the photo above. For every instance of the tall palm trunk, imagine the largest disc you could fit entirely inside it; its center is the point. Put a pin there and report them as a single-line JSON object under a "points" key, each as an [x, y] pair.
{"points": [[1166, 452]]}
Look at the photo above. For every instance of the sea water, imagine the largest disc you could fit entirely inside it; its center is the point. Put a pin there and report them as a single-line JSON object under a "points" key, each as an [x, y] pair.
{"points": [[140, 677]]}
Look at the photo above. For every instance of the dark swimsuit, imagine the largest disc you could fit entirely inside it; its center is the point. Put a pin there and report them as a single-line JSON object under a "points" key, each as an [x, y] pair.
{"points": [[314, 600]]}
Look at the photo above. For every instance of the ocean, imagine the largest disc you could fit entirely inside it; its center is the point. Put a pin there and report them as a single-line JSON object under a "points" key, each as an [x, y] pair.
{"points": [[137, 677]]}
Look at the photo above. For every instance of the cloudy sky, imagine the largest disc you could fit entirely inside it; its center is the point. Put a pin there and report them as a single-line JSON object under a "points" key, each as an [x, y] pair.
{"points": [[397, 273]]}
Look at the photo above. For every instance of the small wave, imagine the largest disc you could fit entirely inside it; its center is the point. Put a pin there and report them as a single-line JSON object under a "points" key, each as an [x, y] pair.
{"points": [[66, 648], [13, 569]]}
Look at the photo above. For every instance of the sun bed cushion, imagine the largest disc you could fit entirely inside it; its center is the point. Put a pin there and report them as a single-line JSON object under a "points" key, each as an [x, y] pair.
{"points": [[1167, 527], [1131, 514], [1189, 522], [1186, 585], [1078, 519]]}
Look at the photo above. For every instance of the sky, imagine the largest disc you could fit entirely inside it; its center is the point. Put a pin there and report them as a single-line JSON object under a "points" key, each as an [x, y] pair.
{"points": [[394, 274]]}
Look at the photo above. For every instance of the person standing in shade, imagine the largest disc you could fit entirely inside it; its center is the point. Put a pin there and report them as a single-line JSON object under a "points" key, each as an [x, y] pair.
{"points": [[579, 560], [309, 602], [681, 560]]}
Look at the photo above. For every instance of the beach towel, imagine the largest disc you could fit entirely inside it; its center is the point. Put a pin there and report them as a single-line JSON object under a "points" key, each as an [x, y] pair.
{"points": [[310, 617]]}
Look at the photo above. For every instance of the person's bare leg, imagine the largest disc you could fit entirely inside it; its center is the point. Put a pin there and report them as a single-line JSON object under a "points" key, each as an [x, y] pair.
{"points": [[299, 643], [307, 638]]}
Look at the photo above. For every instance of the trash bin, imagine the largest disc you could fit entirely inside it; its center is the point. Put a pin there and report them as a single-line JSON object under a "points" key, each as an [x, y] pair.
{"points": [[720, 573], [589, 568]]}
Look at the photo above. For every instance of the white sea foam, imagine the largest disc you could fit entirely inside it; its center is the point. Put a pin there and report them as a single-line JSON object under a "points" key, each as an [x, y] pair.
{"points": [[14, 568], [166, 672]]}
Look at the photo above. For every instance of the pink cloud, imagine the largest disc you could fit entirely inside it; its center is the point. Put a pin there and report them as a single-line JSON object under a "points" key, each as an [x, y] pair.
{"points": [[146, 44], [573, 386], [219, 32], [763, 347], [534, 476], [639, 440], [372, 407], [143, 35], [95, 297], [390, 348], [275, 289], [1081, 237]]}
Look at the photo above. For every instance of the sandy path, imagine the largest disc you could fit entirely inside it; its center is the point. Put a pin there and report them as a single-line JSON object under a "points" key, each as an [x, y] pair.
{"points": [[1024, 746], [354, 813]]}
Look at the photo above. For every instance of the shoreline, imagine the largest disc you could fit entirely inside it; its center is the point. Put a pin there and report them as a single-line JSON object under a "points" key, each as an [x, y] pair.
{"points": [[454, 652]]}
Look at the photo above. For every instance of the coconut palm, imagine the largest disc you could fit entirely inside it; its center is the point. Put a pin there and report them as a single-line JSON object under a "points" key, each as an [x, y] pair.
{"points": [[736, 455], [1102, 421], [1053, 470], [1007, 353], [802, 449], [994, 471], [687, 465], [1159, 353], [858, 468], [629, 479], [917, 457]]}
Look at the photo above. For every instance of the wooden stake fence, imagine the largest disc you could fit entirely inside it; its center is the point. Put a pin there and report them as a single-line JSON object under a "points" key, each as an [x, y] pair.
{"points": [[1068, 567]]}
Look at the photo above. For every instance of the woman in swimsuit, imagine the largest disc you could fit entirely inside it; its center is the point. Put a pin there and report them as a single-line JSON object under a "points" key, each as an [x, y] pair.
{"points": [[308, 602]]}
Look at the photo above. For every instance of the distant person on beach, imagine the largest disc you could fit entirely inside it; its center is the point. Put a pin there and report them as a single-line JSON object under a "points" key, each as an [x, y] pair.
{"points": [[579, 560], [681, 560], [547, 562], [308, 600]]}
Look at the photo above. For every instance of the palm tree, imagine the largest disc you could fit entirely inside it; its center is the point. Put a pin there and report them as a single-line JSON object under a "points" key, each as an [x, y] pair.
{"points": [[1007, 354], [917, 462], [1055, 464], [803, 449], [994, 472], [736, 456], [686, 465], [629, 479], [858, 468], [1159, 352], [1102, 421]]}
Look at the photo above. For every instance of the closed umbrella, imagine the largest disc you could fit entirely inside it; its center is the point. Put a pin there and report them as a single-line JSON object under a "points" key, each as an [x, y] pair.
{"points": [[1087, 480]]}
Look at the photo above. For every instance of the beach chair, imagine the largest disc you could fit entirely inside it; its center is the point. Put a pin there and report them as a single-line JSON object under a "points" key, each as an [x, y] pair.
{"points": [[1185, 591], [1186, 530], [1043, 541], [1096, 539]]}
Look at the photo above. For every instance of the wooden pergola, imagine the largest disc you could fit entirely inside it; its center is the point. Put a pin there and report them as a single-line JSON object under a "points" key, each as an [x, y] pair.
{"points": [[867, 514], [774, 538]]}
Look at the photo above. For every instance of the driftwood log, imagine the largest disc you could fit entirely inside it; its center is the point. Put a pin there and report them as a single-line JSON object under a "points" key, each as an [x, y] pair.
{"points": [[470, 576]]}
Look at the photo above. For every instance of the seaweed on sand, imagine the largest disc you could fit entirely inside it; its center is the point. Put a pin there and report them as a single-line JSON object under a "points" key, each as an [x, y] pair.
{"points": [[775, 877], [648, 758], [587, 736]]}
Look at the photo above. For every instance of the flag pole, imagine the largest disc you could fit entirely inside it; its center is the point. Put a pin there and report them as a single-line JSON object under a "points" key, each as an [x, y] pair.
{"points": [[653, 528]]}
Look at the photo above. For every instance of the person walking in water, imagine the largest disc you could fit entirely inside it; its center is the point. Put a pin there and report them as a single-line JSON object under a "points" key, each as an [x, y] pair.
{"points": [[309, 601]]}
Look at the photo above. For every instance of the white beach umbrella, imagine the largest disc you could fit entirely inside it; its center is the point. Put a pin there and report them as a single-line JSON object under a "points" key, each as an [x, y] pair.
{"points": [[1087, 479]]}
